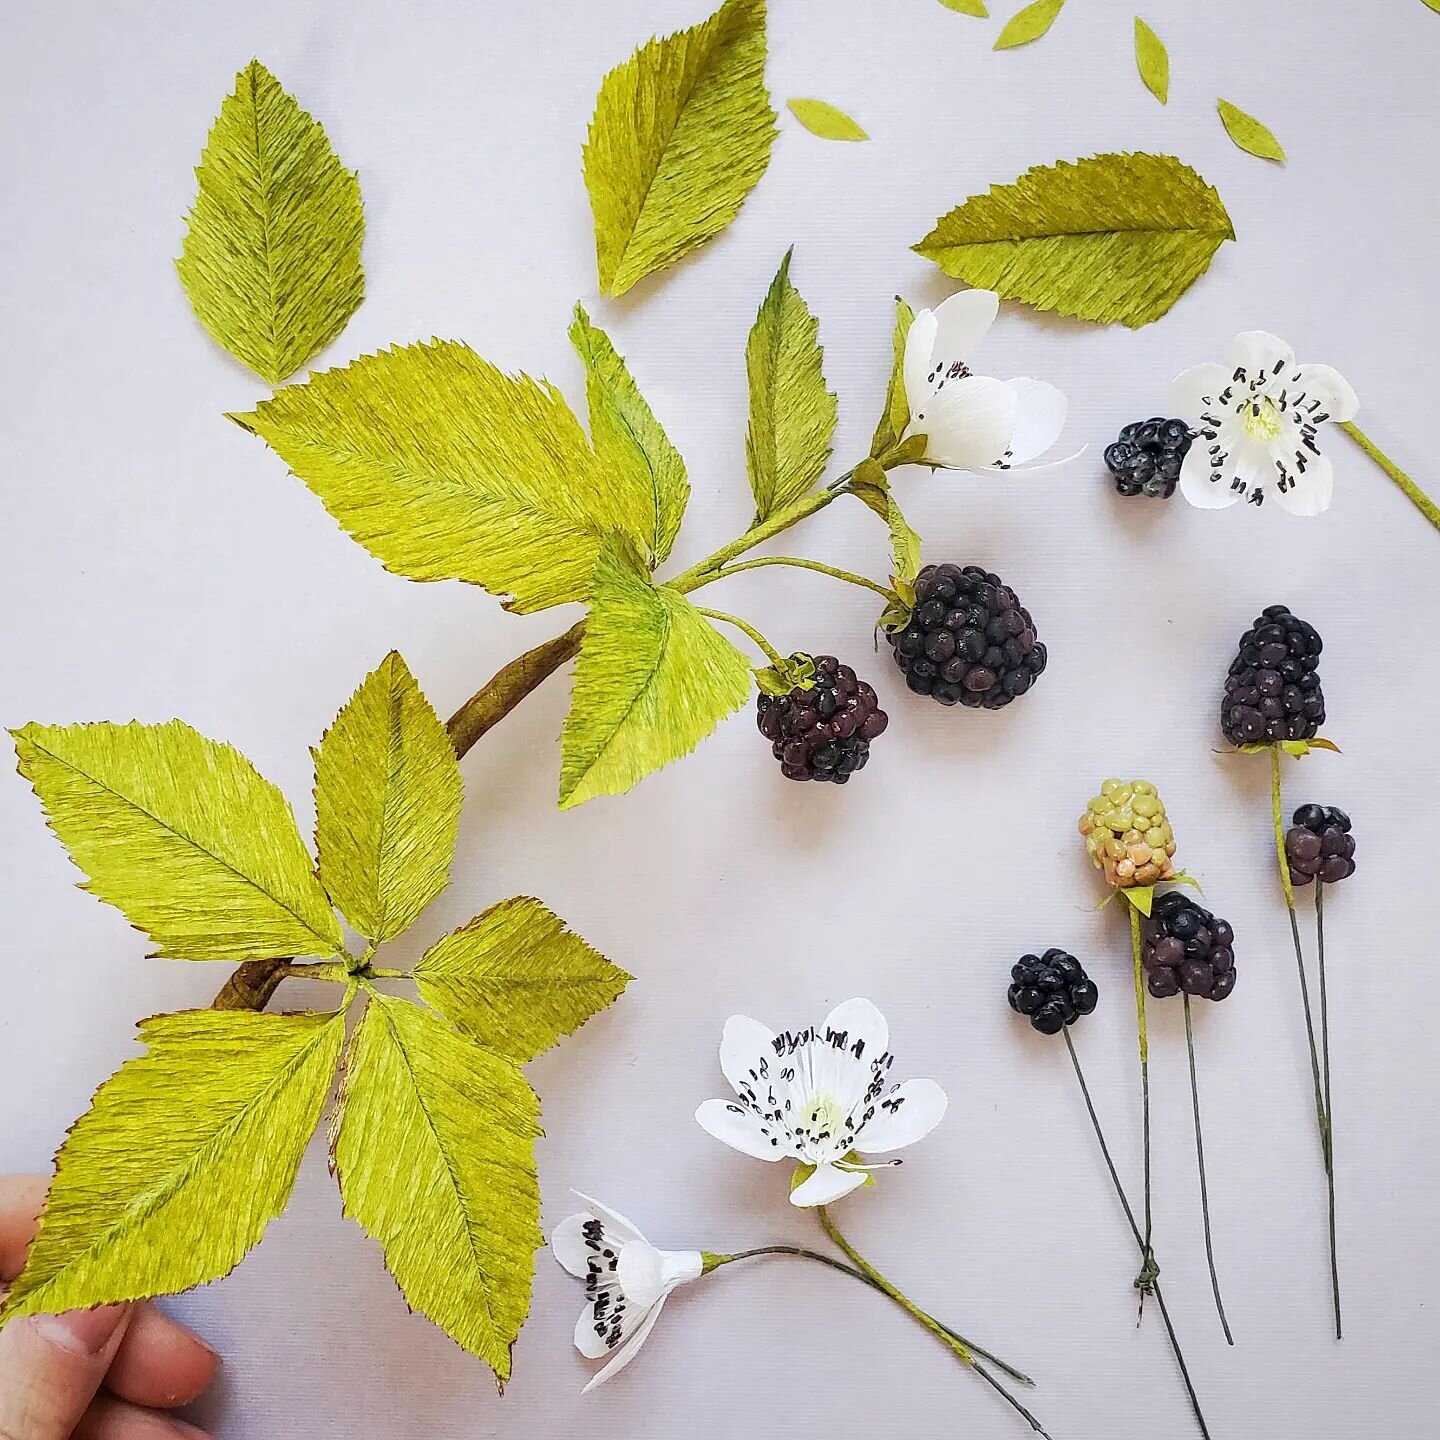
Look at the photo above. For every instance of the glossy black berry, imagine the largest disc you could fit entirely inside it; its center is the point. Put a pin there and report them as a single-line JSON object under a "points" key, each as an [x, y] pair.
{"points": [[969, 641], [1184, 947], [1052, 990], [1319, 845], [1147, 457], [822, 732], [1273, 689]]}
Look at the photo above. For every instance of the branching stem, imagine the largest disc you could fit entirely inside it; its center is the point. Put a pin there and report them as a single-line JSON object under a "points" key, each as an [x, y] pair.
{"points": [[746, 628], [833, 571]]}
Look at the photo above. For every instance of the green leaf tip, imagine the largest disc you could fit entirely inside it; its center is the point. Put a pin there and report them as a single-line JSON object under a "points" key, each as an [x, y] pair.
{"points": [[976, 8], [1153, 61], [1249, 134], [825, 120], [1029, 24]]}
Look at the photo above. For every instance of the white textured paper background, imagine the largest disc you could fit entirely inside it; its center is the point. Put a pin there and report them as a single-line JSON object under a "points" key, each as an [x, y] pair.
{"points": [[156, 561]]}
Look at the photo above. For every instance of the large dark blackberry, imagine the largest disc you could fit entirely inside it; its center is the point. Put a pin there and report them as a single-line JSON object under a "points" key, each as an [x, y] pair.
{"points": [[1273, 689], [822, 732], [969, 641], [1052, 989], [1187, 948], [1147, 457], [1320, 845]]}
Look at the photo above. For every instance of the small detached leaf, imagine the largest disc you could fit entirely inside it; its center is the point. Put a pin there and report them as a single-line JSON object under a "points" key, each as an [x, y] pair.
{"points": [[824, 120], [1249, 134], [1433, 4], [1029, 24], [1153, 61], [895, 418], [271, 260], [681, 133], [967, 7], [516, 979]]}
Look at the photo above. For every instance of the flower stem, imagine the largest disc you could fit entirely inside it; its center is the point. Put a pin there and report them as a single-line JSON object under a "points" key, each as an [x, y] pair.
{"points": [[1417, 497], [771, 653], [1139, 1239], [1204, 1188], [1145, 1280], [834, 571], [709, 568], [1329, 1109]]}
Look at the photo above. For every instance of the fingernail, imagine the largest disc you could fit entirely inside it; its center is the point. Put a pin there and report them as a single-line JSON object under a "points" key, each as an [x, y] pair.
{"points": [[82, 1332]]}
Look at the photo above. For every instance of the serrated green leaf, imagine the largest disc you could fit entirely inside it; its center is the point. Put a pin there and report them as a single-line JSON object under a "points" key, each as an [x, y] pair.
{"points": [[271, 260], [1029, 24], [1153, 61], [681, 134], [967, 7], [1249, 134], [792, 414], [904, 542], [516, 979], [183, 836], [871, 484], [654, 678], [895, 419], [434, 1144], [445, 468], [1107, 238], [630, 442], [387, 803], [184, 1157], [823, 119]]}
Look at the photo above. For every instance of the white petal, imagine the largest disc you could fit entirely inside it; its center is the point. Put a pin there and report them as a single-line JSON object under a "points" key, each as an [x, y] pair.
{"points": [[970, 423], [1040, 469], [826, 1184], [1197, 486], [569, 1246], [907, 1114], [744, 1043], [587, 1341], [918, 344], [1327, 392], [963, 322], [1196, 390], [1312, 491], [628, 1350], [617, 1227], [641, 1272], [741, 1129], [1040, 411], [679, 1267], [1260, 354], [867, 1034]]}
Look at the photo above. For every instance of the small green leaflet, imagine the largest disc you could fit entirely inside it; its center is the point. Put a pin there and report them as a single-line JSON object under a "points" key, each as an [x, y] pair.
{"points": [[895, 419], [1249, 134], [824, 120], [1153, 61], [629, 442], [967, 7], [654, 678], [387, 803], [516, 979], [792, 414], [1107, 238], [183, 836], [271, 260], [871, 485], [681, 134], [1434, 5], [184, 1157], [1029, 24]]}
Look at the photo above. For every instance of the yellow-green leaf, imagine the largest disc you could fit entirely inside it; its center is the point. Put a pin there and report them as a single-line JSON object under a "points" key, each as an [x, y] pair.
{"points": [[1434, 5], [434, 1144], [824, 120], [967, 7], [271, 260], [516, 979], [183, 836], [1029, 24], [630, 442], [792, 414], [895, 419], [681, 133], [1249, 134], [1153, 61], [871, 485], [387, 803], [1107, 238], [184, 1157], [445, 468], [654, 678]]}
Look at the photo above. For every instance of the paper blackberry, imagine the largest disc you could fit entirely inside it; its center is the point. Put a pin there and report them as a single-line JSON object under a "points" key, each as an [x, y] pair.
{"points": [[1052, 990], [1273, 690], [1128, 834], [1319, 846], [1187, 948], [822, 731], [1147, 458]]}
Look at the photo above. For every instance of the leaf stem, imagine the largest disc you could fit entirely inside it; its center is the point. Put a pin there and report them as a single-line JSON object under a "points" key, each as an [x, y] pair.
{"points": [[1417, 497], [1145, 1280], [771, 653], [709, 568], [1329, 1107], [1204, 1188], [848, 576]]}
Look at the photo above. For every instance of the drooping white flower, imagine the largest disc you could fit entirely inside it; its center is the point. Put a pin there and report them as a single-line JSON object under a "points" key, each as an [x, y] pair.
{"points": [[626, 1280], [972, 422], [819, 1096], [1258, 420]]}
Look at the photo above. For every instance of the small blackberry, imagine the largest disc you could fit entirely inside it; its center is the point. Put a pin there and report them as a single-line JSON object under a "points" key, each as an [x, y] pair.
{"points": [[969, 640], [1147, 457], [1128, 834], [823, 732], [1052, 989], [1187, 948], [1273, 689], [1320, 845]]}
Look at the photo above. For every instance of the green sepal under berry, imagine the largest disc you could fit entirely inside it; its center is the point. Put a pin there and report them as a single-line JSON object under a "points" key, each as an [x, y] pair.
{"points": [[1142, 897], [796, 673], [1298, 748]]}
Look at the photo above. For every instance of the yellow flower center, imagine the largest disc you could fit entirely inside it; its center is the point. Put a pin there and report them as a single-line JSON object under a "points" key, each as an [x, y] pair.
{"points": [[1262, 420]]}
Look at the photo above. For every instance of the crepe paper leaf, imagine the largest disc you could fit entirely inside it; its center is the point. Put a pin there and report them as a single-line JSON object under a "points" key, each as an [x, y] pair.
{"points": [[871, 484], [1299, 749], [1249, 134], [1434, 5], [184, 1157], [184, 837], [271, 260], [904, 542], [1153, 61], [654, 678], [824, 120], [968, 7], [1029, 24], [630, 443], [1108, 238], [681, 134], [387, 803], [895, 419], [516, 979], [445, 468], [434, 1144], [792, 414]]}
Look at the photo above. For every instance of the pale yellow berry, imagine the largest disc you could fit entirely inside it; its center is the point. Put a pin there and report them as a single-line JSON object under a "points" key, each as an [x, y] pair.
{"points": [[1127, 833]]}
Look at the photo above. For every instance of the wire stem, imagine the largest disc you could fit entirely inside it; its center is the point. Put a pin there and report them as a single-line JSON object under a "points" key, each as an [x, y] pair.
{"points": [[771, 653], [1145, 1281], [1417, 497], [1204, 1188], [1329, 1108], [834, 571]]}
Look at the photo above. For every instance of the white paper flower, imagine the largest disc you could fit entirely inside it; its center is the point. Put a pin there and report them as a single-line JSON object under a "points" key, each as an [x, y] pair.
{"points": [[819, 1096], [626, 1280], [970, 421], [1258, 422]]}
